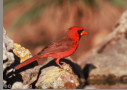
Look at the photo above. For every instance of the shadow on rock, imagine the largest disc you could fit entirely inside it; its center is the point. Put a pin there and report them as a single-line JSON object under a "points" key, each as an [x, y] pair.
{"points": [[12, 80], [87, 69]]}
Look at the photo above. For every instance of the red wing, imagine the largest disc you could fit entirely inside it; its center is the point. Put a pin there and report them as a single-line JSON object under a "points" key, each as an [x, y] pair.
{"points": [[60, 45]]}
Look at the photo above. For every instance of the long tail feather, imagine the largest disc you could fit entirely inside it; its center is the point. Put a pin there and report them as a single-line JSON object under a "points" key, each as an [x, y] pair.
{"points": [[27, 62]]}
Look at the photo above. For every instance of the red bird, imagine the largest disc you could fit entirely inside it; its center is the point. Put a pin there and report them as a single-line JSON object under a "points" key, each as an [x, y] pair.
{"points": [[60, 48]]}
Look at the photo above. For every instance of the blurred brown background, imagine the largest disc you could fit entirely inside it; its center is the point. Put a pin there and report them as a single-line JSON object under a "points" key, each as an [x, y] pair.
{"points": [[36, 23]]}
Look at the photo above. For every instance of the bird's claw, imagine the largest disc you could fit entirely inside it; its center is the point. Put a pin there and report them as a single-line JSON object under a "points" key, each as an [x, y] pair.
{"points": [[65, 66], [63, 63]]}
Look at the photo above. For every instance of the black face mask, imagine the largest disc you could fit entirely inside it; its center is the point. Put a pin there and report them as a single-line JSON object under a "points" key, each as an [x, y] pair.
{"points": [[79, 32]]}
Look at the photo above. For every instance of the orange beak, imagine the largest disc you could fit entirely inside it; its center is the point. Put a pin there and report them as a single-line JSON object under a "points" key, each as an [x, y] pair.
{"points": [[83, 33]]}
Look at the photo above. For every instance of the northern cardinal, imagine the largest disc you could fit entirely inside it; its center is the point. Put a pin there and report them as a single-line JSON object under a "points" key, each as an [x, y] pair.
{"points": [[60, 48]]}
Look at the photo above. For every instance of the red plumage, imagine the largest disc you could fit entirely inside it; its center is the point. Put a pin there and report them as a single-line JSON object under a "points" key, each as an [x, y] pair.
{"points": [[60, 48]]}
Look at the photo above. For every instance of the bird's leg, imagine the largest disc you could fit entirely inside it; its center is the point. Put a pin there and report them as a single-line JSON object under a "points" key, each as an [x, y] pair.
{"points": [[57, 62]]}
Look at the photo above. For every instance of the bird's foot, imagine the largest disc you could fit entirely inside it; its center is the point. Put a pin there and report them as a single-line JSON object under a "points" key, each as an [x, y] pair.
{"points": [[65, 66], [61, 66], [63, 63]]}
